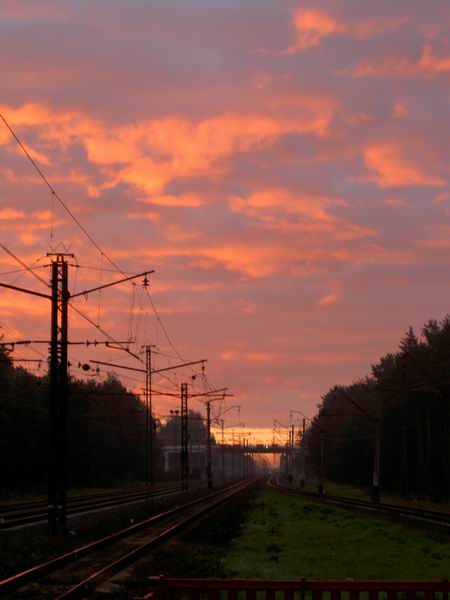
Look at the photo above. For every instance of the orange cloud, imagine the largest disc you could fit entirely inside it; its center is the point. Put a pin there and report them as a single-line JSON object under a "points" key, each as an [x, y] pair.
{"points": [[312, 26], [165, 149], [152, 153], [329, 357], [390, 167], [11, 214], [432, 63], [255, 261], [428, 65], [333, 296], [176, 234], [247, 356], [168, 200], [269, 206], [441, 198], [13, 304]]}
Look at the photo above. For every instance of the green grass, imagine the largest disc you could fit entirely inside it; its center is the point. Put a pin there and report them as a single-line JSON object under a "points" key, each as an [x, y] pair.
{"points": [[290, 538]]}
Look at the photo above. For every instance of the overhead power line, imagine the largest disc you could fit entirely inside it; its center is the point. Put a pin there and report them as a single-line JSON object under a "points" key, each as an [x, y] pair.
{"points": [[58, 197], [81, 226], [90, 238], [22, 264]]}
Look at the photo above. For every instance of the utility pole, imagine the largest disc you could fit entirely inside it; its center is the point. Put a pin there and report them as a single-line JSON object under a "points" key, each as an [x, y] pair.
{"points": [[223, 447], [233, 458], [148, 371], [377, 454], [302, 448], [58, 378], [57, 476], [149, 479], [322, 455], [222, 429], [209, 474], [287, 453], [302, 455], [292, 453], [239, 462], [184, 454], [211, 397]]}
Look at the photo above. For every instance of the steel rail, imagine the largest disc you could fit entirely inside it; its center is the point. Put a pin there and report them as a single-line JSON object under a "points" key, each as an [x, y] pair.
{"points": [[419, 514], [135, 554], [17, 517], [29, 504], [53, 565], [20, 507]]}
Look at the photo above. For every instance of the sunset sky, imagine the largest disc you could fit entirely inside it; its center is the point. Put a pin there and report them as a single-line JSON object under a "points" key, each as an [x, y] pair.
{"points": [[283, 166]]}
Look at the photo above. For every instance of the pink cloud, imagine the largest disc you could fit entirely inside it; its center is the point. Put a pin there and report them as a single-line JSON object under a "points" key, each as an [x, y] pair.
{"points": [[432, 63], [251, 357], [313, 213], [11, 213], [444, 197], [149, 155], [428, 65], [392, 168], [312, 26], [333, 296], [170, 200]]}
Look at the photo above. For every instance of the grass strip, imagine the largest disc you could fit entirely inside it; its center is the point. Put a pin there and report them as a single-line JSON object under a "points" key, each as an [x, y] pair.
{"points": [[289, 538]]}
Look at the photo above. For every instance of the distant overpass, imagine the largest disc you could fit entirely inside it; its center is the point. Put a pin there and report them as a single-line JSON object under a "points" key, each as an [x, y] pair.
{"points": [[267, 448]]}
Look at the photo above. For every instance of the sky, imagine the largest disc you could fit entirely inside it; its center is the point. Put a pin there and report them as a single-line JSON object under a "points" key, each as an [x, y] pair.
{"points": [[283, 166]]}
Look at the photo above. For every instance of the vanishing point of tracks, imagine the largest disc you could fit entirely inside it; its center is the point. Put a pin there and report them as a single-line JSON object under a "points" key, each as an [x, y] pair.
{"points": [[433, 517], [82, 570], [25, 513]]}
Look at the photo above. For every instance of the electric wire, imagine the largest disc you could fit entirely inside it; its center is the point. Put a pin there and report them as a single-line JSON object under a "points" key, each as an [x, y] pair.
{"points": [[96, 245], [80, 225], [57, 196], [22, 264]]}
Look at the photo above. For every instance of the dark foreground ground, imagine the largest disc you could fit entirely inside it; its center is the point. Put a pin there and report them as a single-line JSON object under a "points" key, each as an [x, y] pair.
{"points": [[271, 536], [266, 535]]}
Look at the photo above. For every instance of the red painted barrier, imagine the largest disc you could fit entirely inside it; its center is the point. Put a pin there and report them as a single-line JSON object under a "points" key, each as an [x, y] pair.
{"points": [[302, 589]]}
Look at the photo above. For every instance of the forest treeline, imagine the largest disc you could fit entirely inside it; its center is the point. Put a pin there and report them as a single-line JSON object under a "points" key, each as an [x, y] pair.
{"points": [[106, 432], [411, 387]]}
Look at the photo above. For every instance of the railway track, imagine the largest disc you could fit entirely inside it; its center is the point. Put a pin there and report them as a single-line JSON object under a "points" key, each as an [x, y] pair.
{"points": [[27, 513], [82, 570], [418, 514]]}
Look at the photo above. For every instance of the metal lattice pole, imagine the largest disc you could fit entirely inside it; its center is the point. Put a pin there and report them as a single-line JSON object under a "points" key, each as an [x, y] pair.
{"points": [[209, 472], [184, 455], [57, 477], [149, 478]]}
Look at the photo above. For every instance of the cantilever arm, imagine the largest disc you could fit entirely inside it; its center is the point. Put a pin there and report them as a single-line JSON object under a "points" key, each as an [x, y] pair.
{"points": [[25, 291], [101, 287]]}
